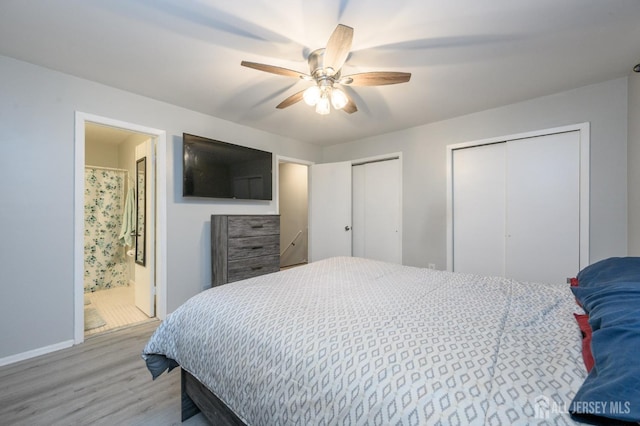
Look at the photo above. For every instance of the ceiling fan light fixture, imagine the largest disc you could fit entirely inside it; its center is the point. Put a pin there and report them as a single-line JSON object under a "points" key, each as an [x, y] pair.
{"points": [[311, 95], [338, 98], [323, 106], [325, 66]]}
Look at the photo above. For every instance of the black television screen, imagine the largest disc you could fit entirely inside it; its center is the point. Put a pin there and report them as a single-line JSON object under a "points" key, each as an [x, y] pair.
{"points": [[218, 169]]}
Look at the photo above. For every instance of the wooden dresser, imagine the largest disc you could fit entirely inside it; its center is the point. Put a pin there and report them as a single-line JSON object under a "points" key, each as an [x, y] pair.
{"points": [[243, 246]]}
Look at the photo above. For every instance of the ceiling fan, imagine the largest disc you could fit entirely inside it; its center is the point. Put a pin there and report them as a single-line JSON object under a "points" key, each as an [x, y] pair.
{"points": [[325, 66]]}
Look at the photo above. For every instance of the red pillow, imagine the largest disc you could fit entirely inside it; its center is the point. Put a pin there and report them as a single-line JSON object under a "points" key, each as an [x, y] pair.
{"points": [[574, 283], [585, 328]]}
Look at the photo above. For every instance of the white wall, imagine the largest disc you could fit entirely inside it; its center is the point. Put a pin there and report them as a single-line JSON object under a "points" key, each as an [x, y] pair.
{"points": [[37, 110], [604, 105], [633, 163]]}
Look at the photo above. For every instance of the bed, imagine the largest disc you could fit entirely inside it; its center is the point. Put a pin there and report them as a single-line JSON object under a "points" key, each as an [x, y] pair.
{"points": [[355, 341]]}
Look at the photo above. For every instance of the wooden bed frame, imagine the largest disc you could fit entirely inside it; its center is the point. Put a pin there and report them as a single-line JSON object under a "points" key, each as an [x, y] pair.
{"points": [[197, 398]]}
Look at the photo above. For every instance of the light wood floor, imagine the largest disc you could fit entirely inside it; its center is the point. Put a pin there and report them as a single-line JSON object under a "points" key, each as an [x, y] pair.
{"points": [[103, 381], [116, 306]]}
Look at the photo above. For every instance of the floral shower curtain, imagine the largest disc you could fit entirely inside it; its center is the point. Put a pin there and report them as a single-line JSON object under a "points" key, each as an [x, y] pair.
{"points": [[105, 264]]}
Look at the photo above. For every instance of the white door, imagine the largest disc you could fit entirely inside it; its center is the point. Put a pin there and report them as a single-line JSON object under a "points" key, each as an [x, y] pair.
{"points": [[543, 208], [145, 274], [358, 201], [516, 208], [377, 210], [329, 210], [479, 196]]}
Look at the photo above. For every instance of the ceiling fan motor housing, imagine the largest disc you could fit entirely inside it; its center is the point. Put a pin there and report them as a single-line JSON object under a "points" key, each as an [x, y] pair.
{"points": [[316, 65], [325, 66], [316, 61]]}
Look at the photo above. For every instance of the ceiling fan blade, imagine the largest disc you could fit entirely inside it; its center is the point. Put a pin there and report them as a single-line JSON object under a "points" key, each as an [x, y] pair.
{"points": [[296, 97], [338, 47], [275, 70], [377, 78], [350, 107]]}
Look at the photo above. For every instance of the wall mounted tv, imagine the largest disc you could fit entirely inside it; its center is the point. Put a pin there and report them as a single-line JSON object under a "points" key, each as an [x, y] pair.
{"points": [[216, 169]]}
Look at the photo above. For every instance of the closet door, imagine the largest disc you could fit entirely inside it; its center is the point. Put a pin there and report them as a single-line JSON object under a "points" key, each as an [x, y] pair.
{"points": [[543, 208], [358, 182], [479, 196], [377, 188], [516, 208]]}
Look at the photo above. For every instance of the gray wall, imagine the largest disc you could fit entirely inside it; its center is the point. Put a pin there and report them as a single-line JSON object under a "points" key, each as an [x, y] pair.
{"points": [[37, 113], [37, 108], [604, 105], [633, 163]]}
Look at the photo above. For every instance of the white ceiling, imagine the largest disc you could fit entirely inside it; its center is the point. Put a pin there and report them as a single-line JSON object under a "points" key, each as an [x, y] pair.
{"points": [[464, 55]]}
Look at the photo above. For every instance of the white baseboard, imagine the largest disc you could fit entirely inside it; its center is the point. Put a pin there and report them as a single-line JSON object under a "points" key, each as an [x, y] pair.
{"points": [[35, 352]]}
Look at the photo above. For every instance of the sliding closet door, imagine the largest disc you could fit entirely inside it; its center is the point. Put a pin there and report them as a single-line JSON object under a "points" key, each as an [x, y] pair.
{"points": [[516, 208], [377, 210], [543, 207], [479, 185], [358, 210]]}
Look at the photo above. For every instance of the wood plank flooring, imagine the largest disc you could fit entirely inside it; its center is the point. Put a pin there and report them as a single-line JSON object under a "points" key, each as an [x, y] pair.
{"points": [[103, 381]]}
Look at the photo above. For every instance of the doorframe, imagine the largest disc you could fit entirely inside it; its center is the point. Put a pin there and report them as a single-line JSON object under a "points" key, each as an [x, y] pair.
{"points": [[584, 131], [160, 137], [282, 159]]}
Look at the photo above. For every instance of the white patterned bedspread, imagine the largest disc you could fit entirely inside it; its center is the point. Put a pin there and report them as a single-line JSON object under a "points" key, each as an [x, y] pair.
{"points": [[349, 341]]}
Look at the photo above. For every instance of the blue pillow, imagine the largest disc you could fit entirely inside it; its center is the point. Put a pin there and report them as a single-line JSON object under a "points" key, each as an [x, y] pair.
{"points": [[609, 292], [614, 269]]}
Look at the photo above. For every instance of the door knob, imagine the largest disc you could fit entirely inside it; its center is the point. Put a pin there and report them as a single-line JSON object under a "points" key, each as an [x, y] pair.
{"points": [[347, 228]]}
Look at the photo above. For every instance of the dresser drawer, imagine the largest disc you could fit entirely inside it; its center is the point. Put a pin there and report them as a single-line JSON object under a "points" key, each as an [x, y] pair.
{"points": [[251, 226], [240, 248], [252, 267], [244, 246]]}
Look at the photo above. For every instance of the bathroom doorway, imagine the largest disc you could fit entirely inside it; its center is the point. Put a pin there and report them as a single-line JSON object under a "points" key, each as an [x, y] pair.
{"points": [[117, 279], [110, 217]]}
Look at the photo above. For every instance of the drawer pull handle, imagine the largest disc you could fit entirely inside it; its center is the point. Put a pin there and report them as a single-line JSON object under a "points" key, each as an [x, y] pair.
{"points": [[257, 226], [256, 248], [256, 268]]}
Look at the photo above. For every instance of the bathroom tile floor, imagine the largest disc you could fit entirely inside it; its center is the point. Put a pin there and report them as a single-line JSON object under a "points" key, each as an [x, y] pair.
{"points": [[117, 307]]}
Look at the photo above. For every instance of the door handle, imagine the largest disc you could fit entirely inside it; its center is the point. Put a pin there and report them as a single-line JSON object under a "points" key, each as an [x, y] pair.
{"points": [[347, 228]]}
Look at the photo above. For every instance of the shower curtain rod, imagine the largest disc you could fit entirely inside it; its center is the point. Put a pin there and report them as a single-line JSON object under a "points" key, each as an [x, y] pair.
{"points": [[105, 168]]}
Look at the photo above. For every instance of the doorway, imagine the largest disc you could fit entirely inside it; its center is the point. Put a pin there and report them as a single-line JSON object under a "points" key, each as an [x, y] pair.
{"points": [[110, 279], [293, 207], [109, 148]]}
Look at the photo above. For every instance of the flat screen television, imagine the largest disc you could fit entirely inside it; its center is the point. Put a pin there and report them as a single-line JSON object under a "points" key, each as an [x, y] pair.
{"points": [[216, 169]]}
